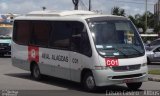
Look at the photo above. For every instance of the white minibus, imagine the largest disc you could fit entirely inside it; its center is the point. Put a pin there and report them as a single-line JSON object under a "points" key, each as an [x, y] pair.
{"points": [[82, 46]]}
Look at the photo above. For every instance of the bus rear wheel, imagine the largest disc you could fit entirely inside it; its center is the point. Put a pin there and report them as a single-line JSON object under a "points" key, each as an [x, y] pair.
{"points": [[35, 72], [134, 86]]}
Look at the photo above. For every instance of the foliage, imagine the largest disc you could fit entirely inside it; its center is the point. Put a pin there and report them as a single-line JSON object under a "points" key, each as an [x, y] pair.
{"points": [[139, 20], [118, 11], [157, 28], [155, 72]]}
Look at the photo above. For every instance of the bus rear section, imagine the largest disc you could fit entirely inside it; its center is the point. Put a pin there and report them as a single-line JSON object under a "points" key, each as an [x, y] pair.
{"points": [[96, 50]]}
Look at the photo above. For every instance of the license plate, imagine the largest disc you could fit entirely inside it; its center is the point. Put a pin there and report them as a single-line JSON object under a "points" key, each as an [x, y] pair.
{"points": [[1, 48], [128, 80]]}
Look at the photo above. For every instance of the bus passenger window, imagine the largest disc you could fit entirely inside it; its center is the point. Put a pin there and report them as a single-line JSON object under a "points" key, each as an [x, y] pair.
{"points": [[80, 40], [22, 32], [41, 33], [85, 45], [77, 28], [60, 35]]}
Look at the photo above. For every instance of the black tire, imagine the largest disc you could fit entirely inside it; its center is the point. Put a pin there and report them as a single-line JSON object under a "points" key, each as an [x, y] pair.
{"points": [[89, 82], [35, 72], [134, 86]]}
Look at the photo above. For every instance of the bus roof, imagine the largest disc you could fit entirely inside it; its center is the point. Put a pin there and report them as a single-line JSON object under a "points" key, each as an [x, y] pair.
{"points": [[62, 14]]}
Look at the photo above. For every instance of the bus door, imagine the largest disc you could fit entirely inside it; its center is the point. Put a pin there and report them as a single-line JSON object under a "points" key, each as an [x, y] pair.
{"points": [[79, 49], [75, 58], [61, 65], [60, 43]]}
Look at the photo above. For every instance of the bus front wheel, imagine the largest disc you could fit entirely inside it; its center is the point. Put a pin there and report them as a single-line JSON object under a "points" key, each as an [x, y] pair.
{"points": [[134, 86], [89, 82], [36, 72]]}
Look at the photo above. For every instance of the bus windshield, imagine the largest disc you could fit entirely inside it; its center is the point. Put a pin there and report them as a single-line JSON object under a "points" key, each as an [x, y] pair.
{"points": [[116, 38]]}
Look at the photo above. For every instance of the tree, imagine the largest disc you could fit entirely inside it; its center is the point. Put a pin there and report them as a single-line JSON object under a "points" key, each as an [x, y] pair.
{"points": [[133, 19], [139, 20], [151, 22], [118, 11], [157, 28]]}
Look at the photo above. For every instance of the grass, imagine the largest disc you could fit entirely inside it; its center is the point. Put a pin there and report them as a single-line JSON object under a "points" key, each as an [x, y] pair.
{"points": [[154, 72]]}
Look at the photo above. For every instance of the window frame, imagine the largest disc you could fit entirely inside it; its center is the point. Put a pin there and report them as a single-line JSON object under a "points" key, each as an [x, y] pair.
{"points": [[51, 32]]}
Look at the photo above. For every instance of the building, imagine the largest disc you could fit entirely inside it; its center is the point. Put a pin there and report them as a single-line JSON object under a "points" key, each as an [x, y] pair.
{"points": [[157, 12], [6, 24], [7, 18]]}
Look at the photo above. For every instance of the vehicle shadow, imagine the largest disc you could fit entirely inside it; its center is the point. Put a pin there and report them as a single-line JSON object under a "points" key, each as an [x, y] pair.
{"points": [[72, 85], [154, 63], [5, 56]]}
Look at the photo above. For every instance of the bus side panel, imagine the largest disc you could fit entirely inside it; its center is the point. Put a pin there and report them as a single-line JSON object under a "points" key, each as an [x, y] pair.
{"points": [[54, 62], [75, 66], [20, 56], [80, 62]]}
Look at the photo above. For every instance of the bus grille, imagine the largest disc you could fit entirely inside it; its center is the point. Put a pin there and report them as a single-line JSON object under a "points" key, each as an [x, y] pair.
{"points": [[126, 76], [126, 68]]}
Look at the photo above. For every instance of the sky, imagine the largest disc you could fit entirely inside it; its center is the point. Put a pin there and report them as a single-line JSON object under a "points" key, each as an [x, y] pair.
{"points": [[131, 7]]}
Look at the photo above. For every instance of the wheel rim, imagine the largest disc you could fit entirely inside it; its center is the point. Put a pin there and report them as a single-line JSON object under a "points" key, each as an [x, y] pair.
{"points": [[36, 72], [90, 82]]}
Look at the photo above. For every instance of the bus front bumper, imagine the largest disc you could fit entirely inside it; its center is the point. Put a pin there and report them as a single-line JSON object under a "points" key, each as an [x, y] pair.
{"points": [[109, 77]]}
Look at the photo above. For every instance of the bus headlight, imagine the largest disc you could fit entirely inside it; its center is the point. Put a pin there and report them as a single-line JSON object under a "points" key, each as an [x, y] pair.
{"points": [[9, 44], [144, 64]]}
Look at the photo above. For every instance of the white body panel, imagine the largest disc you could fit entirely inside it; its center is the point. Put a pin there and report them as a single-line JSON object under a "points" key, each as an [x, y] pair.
{"points": [[69, 65]]}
